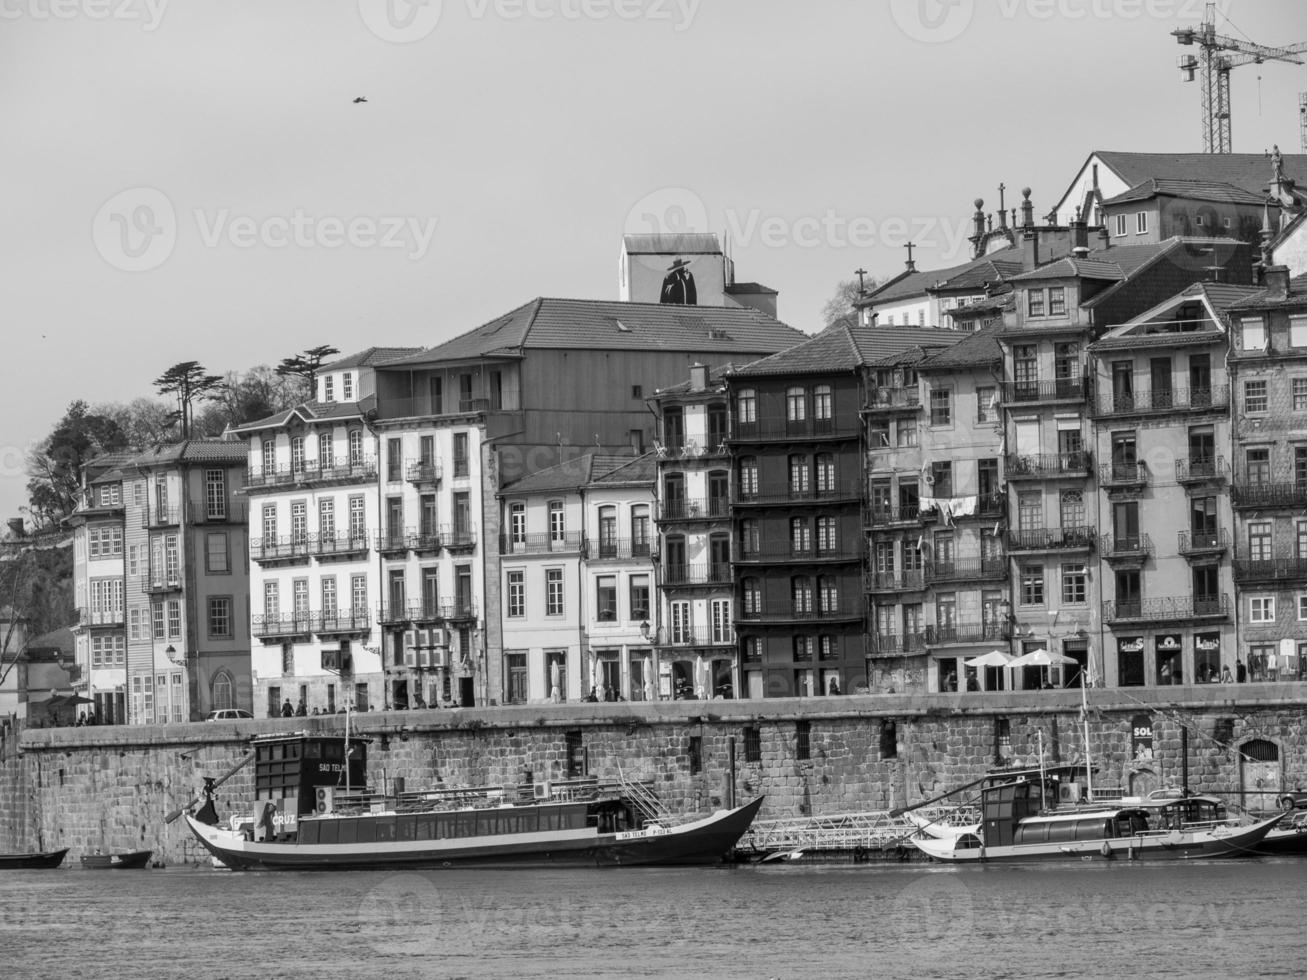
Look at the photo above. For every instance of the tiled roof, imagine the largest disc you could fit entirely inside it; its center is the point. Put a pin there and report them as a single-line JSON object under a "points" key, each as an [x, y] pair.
{"points": [[192, 451], [59, 639], [715, 376], [1114, 263], [844, 347], [314, 411], [1195, 190], [640, 469], [973, 350], [570, 474], [672, 244], [369, 357], [746, 288], [582, 324], [1003, 263], [1262, 298], [1250, 172]]}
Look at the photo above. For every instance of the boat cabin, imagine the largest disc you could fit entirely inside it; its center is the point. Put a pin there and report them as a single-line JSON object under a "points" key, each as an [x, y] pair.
{"points": [[1066, 827], [291, 769]]}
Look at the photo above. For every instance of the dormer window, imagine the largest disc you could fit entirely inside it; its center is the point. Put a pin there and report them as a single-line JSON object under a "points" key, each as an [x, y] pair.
{"points": [[1034, 302], [329, 389], [1253, 333], [1141, 222], [347, 386]]}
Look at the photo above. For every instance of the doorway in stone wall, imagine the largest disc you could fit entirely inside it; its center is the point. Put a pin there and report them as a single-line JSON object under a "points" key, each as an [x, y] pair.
{"points": [[1143, 782], [1259, 774]]}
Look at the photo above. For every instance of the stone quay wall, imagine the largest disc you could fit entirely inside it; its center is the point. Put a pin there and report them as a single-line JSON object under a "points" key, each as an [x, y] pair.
{"points": [[109, 788]]}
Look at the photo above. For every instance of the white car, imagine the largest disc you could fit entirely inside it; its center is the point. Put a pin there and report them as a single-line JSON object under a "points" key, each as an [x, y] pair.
{"points": [[223, 714]]}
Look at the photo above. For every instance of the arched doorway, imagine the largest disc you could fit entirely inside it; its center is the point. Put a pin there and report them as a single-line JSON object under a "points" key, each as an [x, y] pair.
{"points": [[222, 692], [1259, 774]]}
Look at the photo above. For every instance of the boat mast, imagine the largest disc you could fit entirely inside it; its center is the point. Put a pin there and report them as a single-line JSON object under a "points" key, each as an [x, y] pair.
{"points": [[1084, 719], [347, 707], [1042, 785]]}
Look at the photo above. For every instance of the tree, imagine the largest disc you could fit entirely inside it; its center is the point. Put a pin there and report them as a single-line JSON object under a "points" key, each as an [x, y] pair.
{"points": [[841, 304], [306, 366], [54, 466], [145, 422], [36, 593], [188, 382]]}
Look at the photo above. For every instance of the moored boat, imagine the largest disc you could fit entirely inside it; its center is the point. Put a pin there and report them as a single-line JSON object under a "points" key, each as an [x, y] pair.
{"points": [[125, 861], [34, 859]]}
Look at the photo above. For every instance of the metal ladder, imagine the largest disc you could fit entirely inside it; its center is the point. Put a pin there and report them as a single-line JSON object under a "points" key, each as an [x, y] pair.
{"points": [[644, 800]]}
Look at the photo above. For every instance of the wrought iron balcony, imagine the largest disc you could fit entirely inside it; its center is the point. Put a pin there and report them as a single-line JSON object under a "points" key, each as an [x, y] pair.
{"points": [[1122, 476], [619, 549], [784, 429], [422, 611], [911, 581], [541, 543], [851, 491], [696, 636], [1202, 469], [458, 609], [313, 471], [161, 580], [325, 546], [337, 621], [967, 569], [288, 548], [789, 612], [1166, 609], [893, 400], [1164, 400], [716, 446], [201, 511], [879, 518], [895, 644], [1051, 539], [396, 540], [269, 625], [1058, 390], [423, 472], [1203, 542], [1126, 548], [844, 549], [458, 537], [703, 573], [966, 633], [1043, 466], [1266, 496], [705, 508], [1270, 570], [166, 516], [86, 616]]}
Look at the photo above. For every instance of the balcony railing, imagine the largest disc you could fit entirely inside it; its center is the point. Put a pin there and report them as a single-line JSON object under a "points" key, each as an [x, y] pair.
{"points": [[1198, 469], [619, 549], [697, 636], [841, 550], [878, 516], [784, 612], [396, 540], [287, 547], [199, 511], [1203, 542], [1267, 495], [161, 516], [457, 537], [896, 581], [282, 624], [895, 644], [786, 429], [1060, 389], [423, 471], [797, 495], [389, 613], [1040, 466], [704, 573], [893, 399], [965, 633], [541, 543], [965, 569], [163, 581], [86, 616], [1248, 571], [1125, 546], [336, 621], [1166, 609], [311, 471], [693, 510], [338, 545], [1166, 400], [1051, 538], [715, 445], [1118, 475]]}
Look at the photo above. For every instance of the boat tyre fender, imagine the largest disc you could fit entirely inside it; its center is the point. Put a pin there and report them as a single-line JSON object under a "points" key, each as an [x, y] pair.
{"points": [[1106, 850]]}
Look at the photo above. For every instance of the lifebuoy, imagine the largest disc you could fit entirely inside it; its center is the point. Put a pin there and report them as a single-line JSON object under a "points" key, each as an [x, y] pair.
{"points": [[1105, 850]]}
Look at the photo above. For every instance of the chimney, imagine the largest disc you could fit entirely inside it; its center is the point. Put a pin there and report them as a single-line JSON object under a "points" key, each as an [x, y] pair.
{"points": [[1079, 236], [698, 377], [1277, 282], [1104, 239], [1268, 235], [1029, 250], [17, 528], [1027, 209]]}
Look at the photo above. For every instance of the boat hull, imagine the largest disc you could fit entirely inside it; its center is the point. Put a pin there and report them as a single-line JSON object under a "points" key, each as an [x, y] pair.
{"points": [[1225, 842], [124, 862], [701, 842], [38, 859]]}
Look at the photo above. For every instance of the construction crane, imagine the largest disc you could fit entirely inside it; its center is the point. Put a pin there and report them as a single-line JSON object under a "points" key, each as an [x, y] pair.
{"points": [[1217, 54]]}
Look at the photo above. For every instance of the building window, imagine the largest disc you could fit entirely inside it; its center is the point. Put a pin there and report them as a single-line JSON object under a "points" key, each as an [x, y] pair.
{"points": [[803, 740], [1254, 396], [606, 599], [801, 595], [1074, 587], [355, 442], [1032, 585], [750, 537], [1258, 465], [1302, 608], [515, 691], [798, 475], [681, 627], [557, 522], [802, 647], [720, 611], [796, 405], [986, 404], [269, 457], [1252, 332], [329, 388], [639, 598], [347, 386], [553, 592], [1261, 609], [517, 523], [1259, 541], [215, 553], [751, 596], [516, 594], [941, 406], [907, 432], [941, 479], [1057, 301], [1034, 302], [1120, 225], [461, 465], [1298, 331], [174, 619], [1141, 222], [822, 403], [219, 617], [827, 535], [878, 434], [752, 744], [746, 407], [1300, 394]]}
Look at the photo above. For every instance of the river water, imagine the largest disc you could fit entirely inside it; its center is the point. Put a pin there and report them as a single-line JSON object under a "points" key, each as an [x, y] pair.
{"points": [[1215, 919]]}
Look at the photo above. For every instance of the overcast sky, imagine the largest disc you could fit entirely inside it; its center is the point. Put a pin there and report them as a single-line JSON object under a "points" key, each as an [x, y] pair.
{"points": [[193, 180]]}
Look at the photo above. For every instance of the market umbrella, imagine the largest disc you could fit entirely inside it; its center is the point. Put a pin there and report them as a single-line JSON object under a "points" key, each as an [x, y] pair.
{"points": [[700, 673], [1041, 658], [995, 658], [649, 681], [554, 690]]}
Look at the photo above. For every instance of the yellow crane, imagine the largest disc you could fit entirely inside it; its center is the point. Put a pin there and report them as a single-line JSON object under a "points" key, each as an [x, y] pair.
{"points": [[1217, 55]]}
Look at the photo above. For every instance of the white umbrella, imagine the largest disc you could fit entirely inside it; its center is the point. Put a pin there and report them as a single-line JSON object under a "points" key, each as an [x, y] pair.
{"points": [[1041, 658], [700, 672], [554, 690], [995, 658], [650, 689]]}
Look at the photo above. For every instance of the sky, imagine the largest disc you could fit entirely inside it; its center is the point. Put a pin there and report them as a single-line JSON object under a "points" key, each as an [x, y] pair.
{"points": [[195, 180]]}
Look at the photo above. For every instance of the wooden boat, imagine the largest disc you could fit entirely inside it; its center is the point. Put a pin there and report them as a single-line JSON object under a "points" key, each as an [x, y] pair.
{"points": [[1289, 836], [35, 859], [302, 819], [1015, 827], [129, 860]]}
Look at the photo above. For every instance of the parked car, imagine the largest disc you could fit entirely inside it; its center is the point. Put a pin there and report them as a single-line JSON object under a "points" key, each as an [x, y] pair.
{"points": [[1293, 800], [222, 714]]}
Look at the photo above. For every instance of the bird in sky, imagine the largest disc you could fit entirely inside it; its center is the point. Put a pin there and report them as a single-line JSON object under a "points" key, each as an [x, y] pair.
{"points": [[360, 99]]}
